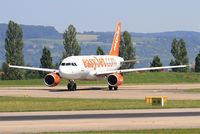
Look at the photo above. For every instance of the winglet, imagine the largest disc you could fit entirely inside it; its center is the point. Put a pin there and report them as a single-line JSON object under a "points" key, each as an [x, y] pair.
{"points": [[116, 41]]}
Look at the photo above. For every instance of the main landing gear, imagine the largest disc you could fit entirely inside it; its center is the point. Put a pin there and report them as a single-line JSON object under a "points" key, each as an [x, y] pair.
{"points": [[71, 85], [112, 87]]}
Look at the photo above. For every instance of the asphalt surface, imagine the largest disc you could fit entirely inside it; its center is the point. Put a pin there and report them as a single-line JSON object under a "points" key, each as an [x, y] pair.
{"points": [[98, 116], [98, 120], [172, 91]]}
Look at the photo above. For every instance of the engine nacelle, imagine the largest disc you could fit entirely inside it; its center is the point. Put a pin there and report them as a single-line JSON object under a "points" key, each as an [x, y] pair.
{"points": [[52, 79], [115, 79]]}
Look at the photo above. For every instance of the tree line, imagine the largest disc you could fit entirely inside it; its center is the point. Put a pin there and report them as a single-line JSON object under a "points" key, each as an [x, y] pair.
{"points": [[14, 53]]}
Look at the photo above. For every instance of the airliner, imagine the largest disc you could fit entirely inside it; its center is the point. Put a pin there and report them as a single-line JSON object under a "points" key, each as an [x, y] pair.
{"points": [[92, 67]]}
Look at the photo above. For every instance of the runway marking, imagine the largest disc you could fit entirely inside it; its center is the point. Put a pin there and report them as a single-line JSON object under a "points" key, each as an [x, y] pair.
{"points": [[98, 116]]}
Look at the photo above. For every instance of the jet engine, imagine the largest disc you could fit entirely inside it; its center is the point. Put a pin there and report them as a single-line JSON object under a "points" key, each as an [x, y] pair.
{"points": [[52, 79], [115, 79]]}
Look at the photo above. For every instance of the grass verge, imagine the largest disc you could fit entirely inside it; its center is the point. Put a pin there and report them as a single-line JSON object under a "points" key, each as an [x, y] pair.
{"points": [[154, 131], [22, 104], [193, 90], [130, 78], [39, 82]]}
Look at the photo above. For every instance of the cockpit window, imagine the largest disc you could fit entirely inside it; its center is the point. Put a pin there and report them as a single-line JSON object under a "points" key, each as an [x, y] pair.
{"points": [[68, 64], [74, 64]]}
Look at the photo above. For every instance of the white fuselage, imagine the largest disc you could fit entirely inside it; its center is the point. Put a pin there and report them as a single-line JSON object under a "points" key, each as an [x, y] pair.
{"points": [[85, 67]]}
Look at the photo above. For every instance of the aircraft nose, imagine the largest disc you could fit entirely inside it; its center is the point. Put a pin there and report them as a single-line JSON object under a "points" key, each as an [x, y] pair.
{"points": [[66, 70], [69, 73]]}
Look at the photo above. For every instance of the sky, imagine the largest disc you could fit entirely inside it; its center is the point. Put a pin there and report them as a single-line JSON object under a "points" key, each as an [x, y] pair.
{"points": [[144, 16]]}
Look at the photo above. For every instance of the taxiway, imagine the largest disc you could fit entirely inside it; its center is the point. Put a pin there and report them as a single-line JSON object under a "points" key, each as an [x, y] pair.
{"points": [[172, 91], [99, 120]]}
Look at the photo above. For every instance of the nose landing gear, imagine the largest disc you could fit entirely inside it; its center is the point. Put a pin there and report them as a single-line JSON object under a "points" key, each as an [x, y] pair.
{"points": [[71, 85]]}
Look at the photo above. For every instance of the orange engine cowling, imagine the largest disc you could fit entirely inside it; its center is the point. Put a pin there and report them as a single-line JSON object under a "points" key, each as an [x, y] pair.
{"points": [[115, 79], [52, 79]]}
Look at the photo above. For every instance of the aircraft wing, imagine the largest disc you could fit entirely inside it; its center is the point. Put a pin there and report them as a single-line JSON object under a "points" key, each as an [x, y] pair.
{"points": [[138, 69], [34, 68]]}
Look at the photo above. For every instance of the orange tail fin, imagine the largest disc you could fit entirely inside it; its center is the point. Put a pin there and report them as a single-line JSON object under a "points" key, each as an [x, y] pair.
{"points": [[116, 41]]}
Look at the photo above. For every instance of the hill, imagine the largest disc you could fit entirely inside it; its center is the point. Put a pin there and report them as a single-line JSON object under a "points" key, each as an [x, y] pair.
{"points": [[151, 44], [30, 31]]}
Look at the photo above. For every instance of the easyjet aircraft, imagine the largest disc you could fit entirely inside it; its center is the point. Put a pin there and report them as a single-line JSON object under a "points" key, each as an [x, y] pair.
{"points": [[92, 67]]}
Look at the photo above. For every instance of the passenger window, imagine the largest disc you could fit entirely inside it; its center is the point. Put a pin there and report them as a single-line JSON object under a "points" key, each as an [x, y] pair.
{"points": [[67, 64]]}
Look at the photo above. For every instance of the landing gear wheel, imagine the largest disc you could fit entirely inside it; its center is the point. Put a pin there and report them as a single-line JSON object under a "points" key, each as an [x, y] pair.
{"points": [[69, 86], [74, 87], [110, 87], [116, 88]]}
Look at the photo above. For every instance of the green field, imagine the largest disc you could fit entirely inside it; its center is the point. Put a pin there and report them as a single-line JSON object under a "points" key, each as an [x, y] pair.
{"points": [[21, 104], [86, 37], [161, 77], [154, 131], [39, 82], [130, 78]]}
